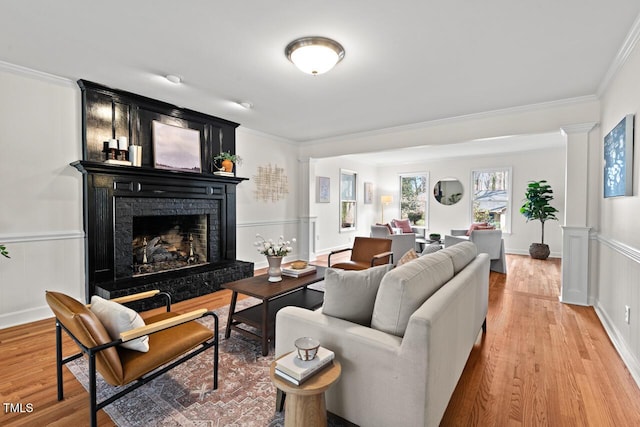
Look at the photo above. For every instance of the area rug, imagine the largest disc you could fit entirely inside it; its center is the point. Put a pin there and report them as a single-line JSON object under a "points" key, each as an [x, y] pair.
{"points": [[184, 396]]}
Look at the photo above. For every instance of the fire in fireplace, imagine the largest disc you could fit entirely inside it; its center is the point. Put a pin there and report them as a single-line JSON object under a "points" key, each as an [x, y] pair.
{"points": [[168, 242]]}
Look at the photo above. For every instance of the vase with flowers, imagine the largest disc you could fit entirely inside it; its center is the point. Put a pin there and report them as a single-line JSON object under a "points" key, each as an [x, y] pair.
{"points": [[274, 252]]}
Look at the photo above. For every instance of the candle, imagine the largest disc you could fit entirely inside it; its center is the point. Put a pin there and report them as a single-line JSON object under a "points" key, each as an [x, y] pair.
{"points": [[122, 143], [113, 143]]}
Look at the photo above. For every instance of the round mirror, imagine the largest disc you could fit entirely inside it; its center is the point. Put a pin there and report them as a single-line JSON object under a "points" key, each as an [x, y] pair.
{"points": [[448, 191]]}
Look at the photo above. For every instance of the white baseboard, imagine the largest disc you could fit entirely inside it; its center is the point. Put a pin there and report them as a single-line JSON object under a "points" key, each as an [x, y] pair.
{"points": [[15, 318], [620, 345]]}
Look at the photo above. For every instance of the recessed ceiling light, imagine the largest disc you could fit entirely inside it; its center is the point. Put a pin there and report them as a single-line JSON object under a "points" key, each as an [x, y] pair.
{"points": [[246, 104], [173, 78]]}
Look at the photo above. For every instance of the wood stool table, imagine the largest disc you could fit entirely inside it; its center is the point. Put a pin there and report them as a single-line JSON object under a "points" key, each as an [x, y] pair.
{"points": [[305, 404]]}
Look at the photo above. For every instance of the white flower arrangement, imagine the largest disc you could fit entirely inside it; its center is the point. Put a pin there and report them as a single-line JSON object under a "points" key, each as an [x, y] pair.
{"points": [[270, 248]]}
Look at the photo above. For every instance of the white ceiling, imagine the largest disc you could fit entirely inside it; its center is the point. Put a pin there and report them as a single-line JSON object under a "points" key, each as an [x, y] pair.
{"points": [[406, 61]]}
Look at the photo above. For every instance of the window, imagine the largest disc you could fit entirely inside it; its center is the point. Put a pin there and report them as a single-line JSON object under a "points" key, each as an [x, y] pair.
{"points": [[348, 201], [491, 198], [413, 198]]}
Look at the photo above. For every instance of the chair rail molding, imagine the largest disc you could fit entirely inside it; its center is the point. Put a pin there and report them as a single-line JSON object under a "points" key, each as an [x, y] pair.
{"points": [[575, 265]]}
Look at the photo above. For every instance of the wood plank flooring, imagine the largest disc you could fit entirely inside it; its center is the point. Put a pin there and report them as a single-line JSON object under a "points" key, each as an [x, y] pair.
{"points": [[540, 363]]}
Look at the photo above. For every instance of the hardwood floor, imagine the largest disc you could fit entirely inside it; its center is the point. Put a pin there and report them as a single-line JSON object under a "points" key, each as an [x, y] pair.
{"points": [[540, 363]]}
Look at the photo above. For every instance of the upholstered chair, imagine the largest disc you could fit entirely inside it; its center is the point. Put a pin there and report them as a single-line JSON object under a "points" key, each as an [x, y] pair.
{"points": [[171, 337], [487, 241], [366, 252], [400, 243]]}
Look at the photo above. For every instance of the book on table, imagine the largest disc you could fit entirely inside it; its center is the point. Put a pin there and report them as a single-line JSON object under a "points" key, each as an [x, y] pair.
{"points": [[296, 370], [298, 272]]}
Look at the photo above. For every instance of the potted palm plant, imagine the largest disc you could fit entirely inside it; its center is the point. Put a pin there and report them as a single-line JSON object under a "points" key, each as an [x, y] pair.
{"points": [[537, 207]]}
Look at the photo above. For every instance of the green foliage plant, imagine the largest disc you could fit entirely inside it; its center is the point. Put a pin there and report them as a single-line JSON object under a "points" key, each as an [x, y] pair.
{"points": [[226, 155], [536, 206], [4, 252]]}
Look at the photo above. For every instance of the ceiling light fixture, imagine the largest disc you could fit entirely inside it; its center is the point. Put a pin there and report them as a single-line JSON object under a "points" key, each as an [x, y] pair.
{"points": [[173, 78], [246, 104], [314, 55]]}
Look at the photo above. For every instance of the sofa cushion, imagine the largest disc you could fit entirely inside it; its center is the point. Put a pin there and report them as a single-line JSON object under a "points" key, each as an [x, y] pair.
{"points": [[350, 294], [405, 288], [461, 254], [117, 318]]}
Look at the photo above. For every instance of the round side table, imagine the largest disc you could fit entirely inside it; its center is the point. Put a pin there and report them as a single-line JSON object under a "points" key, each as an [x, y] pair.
{"points": [[305, 404]]}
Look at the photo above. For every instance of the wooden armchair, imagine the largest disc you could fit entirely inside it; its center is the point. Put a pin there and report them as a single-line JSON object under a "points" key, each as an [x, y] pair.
{"points": [[170, 335], [366, 252]]}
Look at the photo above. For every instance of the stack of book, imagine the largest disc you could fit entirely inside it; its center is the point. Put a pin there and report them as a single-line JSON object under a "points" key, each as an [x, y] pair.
{"points": [[298, 272], [297, 371]]}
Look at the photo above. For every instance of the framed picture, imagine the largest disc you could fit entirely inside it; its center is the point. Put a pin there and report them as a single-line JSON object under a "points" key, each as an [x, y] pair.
{"points": [[618, 159], [368, 193], [176, 148], [323, 189], [348, 200]]}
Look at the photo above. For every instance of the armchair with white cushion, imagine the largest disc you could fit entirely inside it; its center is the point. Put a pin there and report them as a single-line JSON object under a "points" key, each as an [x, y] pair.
{"points": [[487, 241]]}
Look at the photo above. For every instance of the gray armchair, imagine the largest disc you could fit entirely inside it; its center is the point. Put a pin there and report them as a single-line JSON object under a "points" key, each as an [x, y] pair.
{"points": [[400, 243], [487, 241]]}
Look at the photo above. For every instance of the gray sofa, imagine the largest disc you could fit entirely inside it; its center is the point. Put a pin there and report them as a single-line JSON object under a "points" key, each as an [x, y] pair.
{"points": [[401, 366]]}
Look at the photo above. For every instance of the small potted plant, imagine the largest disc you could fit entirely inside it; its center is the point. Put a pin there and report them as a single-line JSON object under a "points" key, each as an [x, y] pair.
{"points": [[227, 160], [3, 251], [536, 206]]}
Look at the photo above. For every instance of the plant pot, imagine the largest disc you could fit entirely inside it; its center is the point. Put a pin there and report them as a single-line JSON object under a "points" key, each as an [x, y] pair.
{"points": [[539, 251], [227, 166]]}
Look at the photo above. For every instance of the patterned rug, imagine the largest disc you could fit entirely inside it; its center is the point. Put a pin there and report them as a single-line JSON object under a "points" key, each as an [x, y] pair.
{"points": [[184, 397]]}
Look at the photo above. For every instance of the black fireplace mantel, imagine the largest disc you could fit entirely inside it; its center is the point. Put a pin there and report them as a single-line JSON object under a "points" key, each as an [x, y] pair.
{"points": [[111, 189]]}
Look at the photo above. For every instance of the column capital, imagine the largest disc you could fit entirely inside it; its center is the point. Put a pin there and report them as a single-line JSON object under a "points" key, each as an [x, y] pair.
{"points": [[578, 128]]}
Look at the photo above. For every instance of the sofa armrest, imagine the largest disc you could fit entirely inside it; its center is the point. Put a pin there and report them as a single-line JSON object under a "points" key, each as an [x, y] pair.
{"points": [[452, 240], [459, 231]]}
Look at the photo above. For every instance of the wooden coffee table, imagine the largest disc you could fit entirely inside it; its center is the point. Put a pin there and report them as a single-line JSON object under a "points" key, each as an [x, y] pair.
{"points": [[274, 296]]}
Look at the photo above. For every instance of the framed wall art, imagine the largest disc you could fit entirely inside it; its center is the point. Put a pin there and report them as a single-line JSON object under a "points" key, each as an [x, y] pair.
{"points": [[618, 159], [323, 189], [368, 193], [348, 200], [175, 147]]}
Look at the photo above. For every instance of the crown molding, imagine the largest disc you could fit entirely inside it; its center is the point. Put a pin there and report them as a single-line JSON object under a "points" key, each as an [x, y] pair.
{"points": [[621, 58], [40, 75], [458, 119], [579, 128]]}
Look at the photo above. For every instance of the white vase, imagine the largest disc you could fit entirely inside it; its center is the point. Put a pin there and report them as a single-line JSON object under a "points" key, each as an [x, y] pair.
{"points": [[274, 272]]}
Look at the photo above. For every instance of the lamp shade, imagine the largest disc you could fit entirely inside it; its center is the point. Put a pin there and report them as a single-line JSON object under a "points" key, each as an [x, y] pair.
{"points": [[314, 55], [386, 199]]}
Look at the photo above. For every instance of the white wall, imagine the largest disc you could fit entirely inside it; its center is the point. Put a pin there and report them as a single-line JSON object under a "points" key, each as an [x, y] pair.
{"points": [[41, 214], [270, 218], [328, 235], [618, 238], [526, 166]]}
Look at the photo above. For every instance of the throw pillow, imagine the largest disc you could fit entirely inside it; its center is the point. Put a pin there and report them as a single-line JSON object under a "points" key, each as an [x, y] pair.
{"points": [[404, 289], [475, 226], [351, 294], [408, 256], [429, 249], [117, 318], [403, 224]]}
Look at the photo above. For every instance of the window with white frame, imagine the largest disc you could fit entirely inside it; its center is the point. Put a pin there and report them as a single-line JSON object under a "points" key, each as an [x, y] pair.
{"points": [[414, 194], [491, 197]]}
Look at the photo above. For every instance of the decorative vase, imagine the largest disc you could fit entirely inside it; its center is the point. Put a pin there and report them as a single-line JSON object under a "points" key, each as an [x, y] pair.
{"points": [[227, 165], [275, 272], [539, 250]]}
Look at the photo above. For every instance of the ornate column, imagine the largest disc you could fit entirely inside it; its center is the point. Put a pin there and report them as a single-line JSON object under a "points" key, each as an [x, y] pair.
{"points": [[575, 231]]}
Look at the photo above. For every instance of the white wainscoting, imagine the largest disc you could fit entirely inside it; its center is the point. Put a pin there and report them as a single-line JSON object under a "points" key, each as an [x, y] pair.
{"points": [[39, 262], [618, 276]]}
